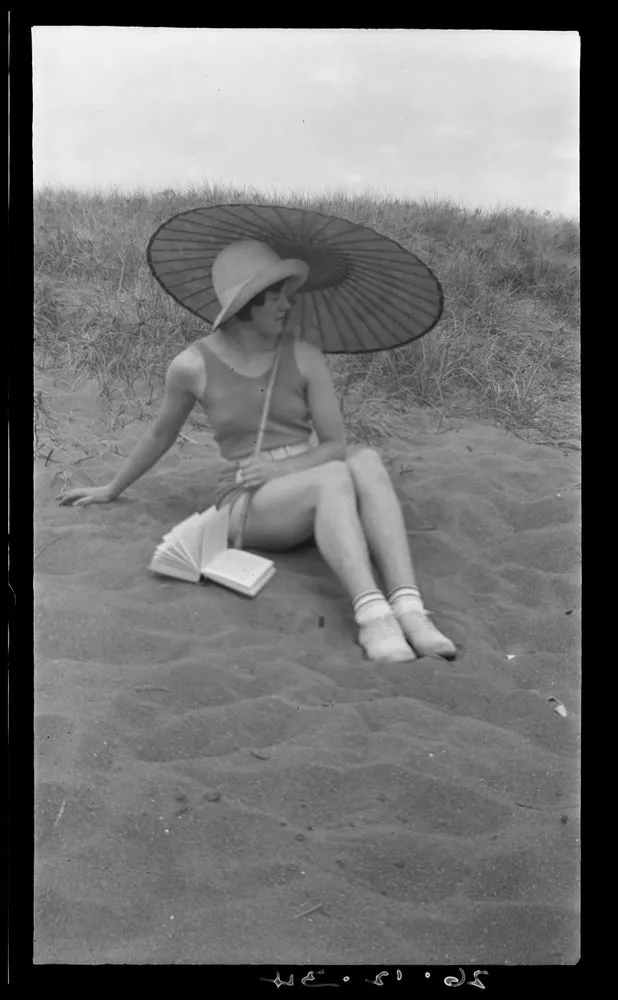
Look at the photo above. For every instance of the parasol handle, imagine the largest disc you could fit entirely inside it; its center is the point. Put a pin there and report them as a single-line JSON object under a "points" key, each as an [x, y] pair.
{"points": [[259, 440]]}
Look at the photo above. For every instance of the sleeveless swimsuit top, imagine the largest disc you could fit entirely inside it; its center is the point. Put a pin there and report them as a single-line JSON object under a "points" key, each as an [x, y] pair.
{"points": [[233, 404]]}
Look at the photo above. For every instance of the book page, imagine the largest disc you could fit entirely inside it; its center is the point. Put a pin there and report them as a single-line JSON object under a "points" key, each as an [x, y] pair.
{"points": [[174, 557], [181, 525], [173, 546], [238, 566], [188, 537], [214, 535], [172, 567], [241, 586], [180, 540]]}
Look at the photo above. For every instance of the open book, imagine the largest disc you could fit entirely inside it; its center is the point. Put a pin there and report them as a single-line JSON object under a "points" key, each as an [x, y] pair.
{"points": [[198, 547]]}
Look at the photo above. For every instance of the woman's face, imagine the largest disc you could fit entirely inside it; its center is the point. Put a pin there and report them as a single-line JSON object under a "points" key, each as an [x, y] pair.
{"points": [[269, 319]]}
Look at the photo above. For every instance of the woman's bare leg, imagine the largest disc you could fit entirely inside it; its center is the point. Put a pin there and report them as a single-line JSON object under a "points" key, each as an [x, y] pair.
{"points": [[382, 519], [385, 530], [322, 501]]}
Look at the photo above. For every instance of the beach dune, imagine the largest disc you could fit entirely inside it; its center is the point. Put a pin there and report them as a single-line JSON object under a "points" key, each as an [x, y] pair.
{"points": [[226, 780]]}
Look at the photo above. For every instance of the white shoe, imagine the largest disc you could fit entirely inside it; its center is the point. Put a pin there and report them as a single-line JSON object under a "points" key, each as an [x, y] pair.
{"points": [[421, 633], [382, 639]]}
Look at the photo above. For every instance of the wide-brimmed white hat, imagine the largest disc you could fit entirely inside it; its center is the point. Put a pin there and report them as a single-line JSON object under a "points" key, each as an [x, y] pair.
{"points": [[247, 267]]}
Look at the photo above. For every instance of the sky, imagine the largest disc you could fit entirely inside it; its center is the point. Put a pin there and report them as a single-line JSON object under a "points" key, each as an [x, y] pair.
{"points": [[485, 118]]}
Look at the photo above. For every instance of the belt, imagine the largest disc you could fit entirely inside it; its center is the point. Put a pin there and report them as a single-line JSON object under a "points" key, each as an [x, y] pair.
{"points": [[284, 451]]}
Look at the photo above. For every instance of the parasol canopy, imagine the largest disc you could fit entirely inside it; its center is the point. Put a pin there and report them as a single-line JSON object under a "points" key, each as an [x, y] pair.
{"points": [[364, 291]]}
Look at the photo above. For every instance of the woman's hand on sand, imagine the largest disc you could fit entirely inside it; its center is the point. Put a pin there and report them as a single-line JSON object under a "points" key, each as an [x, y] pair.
{"points": [[83, 495], [258, 471]]}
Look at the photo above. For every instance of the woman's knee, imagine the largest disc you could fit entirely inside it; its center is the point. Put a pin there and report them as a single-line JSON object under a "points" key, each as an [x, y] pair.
{"points": [[364, 461], [334, 476]]}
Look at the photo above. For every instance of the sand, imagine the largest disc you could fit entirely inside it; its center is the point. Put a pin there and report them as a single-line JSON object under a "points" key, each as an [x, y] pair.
{"points": [[210, 768]]}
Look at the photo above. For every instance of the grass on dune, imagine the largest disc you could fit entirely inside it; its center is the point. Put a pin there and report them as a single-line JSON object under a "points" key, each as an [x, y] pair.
{"points": [[505, 350]]}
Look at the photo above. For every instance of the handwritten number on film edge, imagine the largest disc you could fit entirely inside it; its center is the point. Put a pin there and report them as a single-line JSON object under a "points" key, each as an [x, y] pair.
{"points": [[449, 980], [453, 981]]}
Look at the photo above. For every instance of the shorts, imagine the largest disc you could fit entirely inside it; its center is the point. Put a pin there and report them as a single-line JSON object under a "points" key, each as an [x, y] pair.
{"points": [[229, 488]]}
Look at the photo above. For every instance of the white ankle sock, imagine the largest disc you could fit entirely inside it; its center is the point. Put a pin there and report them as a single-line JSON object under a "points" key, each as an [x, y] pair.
{"points": [[369, 606], [405, 599]]}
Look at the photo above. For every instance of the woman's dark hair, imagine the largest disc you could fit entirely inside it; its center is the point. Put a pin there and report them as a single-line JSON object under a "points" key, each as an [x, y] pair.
{"points": [[244, 314]]}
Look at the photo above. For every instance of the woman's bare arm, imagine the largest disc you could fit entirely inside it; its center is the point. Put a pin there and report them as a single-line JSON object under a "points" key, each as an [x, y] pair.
{"points": [[177, 404]]}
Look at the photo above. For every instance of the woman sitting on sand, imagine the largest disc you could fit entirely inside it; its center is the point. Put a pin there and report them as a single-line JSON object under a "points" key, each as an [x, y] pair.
{"points": [[342, 497]]}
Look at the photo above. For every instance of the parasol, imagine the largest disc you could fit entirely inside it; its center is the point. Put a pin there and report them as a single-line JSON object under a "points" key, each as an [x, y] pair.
{"points": [[364, 291]]}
